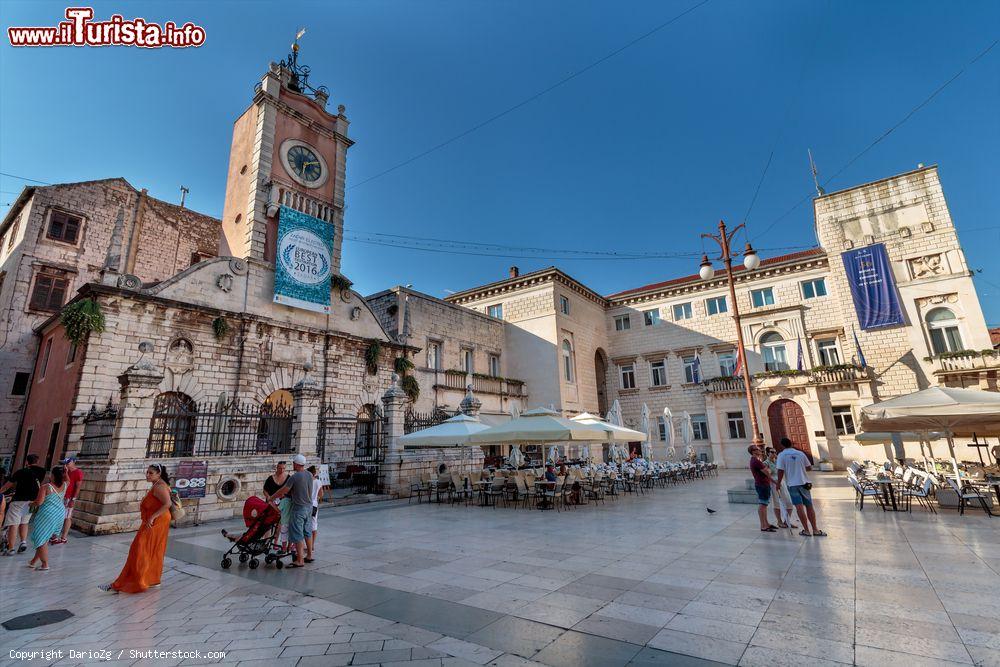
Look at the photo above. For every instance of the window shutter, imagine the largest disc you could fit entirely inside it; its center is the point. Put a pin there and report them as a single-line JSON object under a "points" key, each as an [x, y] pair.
{"points": [[57, 294], [40, 296], [72, 229]]}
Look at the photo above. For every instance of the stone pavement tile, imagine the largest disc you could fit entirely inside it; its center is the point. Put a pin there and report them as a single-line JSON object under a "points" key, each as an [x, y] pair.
{"points": [[265, 642], [424, 653], [309, 649], [723, 613], [398, 643], [650, 601], [833, 631], [253, 654], [759, 656], [868, 656], [580, 589], [576, 649], [448, 618], [712, 628], [986, 657], [618, 583], [979, 638], [536, 581], [930, 648], [700, 646], [331, 660], [667, 590], [435, 662], [906, 626], [363, 620], [445, 592], [503, 604], [814, 647], [616, 628], [355, 647], [545, 613], [510, 660], [516, 635], [570, 601], [808, 612], [521, 591], [376, 657], [476, 653], [410, 633], [652, 657]]}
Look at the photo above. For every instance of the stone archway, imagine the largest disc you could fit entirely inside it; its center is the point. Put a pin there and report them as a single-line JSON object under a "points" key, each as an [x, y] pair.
{"points": [[601, 373], [786, 420]]}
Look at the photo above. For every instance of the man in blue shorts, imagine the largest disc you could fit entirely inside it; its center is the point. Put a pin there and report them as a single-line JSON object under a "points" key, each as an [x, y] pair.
{"points": [[792, 465], [298, 487], [762, 484]]}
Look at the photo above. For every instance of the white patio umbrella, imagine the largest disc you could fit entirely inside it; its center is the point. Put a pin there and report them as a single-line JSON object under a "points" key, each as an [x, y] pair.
{"points": [[668, 418], [514, 412], [538, 425], [450, 433], [615, 414], [585, 453], [516, 458], [687, 433], [946, 409], [644, 425], [619, 433], [553, 454], [869, 438]]}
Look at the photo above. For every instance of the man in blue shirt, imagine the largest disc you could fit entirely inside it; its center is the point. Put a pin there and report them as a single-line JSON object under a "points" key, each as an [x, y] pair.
{"points": [[792, 465]]}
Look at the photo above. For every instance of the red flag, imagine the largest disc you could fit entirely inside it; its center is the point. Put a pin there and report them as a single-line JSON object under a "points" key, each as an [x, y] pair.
{"points": [[739, 365]]}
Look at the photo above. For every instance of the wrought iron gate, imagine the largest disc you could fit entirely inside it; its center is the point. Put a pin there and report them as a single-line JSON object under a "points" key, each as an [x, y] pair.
{"points": [[356, 447]]}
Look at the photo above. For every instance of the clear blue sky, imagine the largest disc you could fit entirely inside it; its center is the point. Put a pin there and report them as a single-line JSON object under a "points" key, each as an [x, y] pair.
{"points": [[641, 153]]}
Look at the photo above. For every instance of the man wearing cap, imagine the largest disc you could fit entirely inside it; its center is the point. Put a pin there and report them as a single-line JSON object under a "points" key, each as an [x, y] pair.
{"points": [[298, 488], [75, 476]]}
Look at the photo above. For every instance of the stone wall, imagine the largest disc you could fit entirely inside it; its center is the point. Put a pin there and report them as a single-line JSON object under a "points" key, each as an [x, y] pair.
{"points": [[412, 464]]}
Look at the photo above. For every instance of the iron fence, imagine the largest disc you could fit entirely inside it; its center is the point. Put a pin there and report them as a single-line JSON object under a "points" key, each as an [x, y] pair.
{"points": [[98, 431], [415, 421], [181, 427], [355, 445]]}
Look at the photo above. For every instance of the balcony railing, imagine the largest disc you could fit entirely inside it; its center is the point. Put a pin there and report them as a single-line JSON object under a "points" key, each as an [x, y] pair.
{"points": [[973, 362], [838, 375], [481, 384], [724, 384], [286, 196], [830, 375]]}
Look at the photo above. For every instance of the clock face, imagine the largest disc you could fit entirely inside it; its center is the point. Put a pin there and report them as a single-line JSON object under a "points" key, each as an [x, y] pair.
{"points": [[304, 163]]}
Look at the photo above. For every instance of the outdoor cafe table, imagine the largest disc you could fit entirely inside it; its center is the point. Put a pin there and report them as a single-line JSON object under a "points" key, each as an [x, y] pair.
{"points": [[542, 486], [888, 487]]}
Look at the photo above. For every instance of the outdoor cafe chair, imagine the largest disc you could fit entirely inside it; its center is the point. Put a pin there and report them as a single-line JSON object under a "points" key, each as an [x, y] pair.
{"points": [[968, 493], [923, 492], [864, 489]]}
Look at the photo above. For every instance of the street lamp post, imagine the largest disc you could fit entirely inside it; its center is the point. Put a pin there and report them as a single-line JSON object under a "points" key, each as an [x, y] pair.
{"points": [[751, 261]]}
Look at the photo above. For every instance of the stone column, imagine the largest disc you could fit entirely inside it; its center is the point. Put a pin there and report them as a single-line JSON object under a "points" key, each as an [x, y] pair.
{"points": [[139, 388], [306, 396], [394, 401], [714, 434]]}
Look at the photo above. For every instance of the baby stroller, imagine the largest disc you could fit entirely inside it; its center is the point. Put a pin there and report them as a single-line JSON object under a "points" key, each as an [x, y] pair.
{"points": [[262, 522]]}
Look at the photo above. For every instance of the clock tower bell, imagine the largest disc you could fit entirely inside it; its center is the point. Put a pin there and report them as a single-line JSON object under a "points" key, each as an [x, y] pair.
{"points": [[287, 150]]}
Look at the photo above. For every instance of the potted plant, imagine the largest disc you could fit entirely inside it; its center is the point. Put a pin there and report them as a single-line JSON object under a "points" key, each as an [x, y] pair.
{"points": [[825, 465]]}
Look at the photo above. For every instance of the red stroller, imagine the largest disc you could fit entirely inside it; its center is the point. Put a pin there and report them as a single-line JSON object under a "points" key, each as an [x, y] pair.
{"points": [[262, 521]]}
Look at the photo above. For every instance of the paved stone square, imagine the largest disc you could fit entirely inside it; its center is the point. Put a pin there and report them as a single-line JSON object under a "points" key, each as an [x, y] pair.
{"points": [[652, 579]]}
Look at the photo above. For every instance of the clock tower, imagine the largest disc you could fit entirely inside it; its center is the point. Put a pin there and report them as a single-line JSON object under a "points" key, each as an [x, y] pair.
{"points": [[287, 150]]}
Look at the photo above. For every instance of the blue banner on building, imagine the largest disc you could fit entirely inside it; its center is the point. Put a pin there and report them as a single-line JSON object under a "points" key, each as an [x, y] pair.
{"points": [[873, 287], [303, 266]]}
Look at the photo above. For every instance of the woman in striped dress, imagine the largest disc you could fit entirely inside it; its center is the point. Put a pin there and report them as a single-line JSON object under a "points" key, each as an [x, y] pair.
{"points": [[47, 520]]}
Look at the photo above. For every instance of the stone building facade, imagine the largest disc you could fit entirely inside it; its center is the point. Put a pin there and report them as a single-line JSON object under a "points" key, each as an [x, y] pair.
{"points": [[673, 345], [57, 238]]}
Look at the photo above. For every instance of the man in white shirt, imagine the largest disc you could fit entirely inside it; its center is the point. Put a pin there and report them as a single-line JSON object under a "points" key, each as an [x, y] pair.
{"points": [[792, 465]]}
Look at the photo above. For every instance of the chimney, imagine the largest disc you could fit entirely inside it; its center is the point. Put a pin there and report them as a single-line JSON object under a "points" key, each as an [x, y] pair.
{"points": [[514, 272]]}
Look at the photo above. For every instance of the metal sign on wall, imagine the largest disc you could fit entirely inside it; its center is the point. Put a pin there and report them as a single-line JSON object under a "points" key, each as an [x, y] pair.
{"points": [[303, 265], [191, 479], [873, 287]]}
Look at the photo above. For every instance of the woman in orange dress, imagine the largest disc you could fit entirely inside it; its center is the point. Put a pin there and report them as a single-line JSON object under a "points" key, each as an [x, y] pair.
{"points": [[144, 566]]}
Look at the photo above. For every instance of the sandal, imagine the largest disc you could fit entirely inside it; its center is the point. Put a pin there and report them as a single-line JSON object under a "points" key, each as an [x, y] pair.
{"points": [[309, 560], [819, 533], [805, 533], [769, 529], [293, 565]]}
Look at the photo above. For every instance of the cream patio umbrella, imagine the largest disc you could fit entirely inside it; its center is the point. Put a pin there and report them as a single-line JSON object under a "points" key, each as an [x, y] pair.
{"points": [[538, 425], [450, 433], [869, 438], [613, 433], [516, 458], [946, 409], [687, 434], [647, 446]]}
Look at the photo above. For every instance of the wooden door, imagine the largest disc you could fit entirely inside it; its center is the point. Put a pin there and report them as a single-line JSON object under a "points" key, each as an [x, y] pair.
{"points": [[787, 420]]}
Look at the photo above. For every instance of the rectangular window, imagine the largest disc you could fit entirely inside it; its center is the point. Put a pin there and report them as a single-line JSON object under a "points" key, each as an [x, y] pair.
{"points": [[13, 232], [53, 440], [814, 288], [762, 297], [45, 359], [651, 317], [690, 370], [71, 356], [682, 311], [737, 429], [661, 428], [623, 322], [468, 360], [843, 420], [50, 291], [3, 274], [496, 310], [27, 439], [200, 257], [716, 305], [495, 365], [64, 227], [564, 305], [699, 424], [658, 373], [628, 376], [434, 356], [829, 355], [727, 364], [20, 386]]}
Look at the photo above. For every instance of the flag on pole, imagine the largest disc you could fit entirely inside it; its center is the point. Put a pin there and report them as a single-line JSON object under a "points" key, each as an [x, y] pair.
{"points": [[739, 364], [857, 347], [801, 361], [696, 368]]}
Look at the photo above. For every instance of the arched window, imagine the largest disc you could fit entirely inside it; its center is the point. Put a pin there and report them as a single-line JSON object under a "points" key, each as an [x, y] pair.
{"points": [[274, 430], [942, 327], [172, 427], [773, 347], [567, 354]]}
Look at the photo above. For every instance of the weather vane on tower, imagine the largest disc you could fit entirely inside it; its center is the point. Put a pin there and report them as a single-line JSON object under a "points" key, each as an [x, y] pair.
{"points": [[300, 73]]}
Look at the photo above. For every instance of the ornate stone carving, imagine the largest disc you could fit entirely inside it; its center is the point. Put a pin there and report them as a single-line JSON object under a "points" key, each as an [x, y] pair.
{"points": [[356, 313], [128, 281], [928, 265], [238, 266], [224, 282], [345, 295]]}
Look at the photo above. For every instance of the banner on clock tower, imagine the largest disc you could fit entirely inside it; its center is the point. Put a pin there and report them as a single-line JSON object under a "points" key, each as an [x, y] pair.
{"points": [[303, 265]]}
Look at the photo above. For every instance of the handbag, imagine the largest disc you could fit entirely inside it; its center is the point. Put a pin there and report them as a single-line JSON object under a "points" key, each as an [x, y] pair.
{"points": [[176, 509]]}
